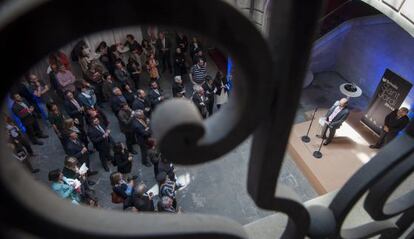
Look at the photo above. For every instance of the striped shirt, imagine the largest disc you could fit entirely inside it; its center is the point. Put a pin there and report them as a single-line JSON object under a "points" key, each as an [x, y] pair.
{"points": [[199, 73]]}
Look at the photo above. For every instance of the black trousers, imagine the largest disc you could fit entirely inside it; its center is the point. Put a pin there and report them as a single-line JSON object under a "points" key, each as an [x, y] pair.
{"points": [[130, 140], [105, 156], [210, 106], [330, 135], [385, 138], [32, 128], [144, 153], [25, 143], [166, 61], [137, 81]]}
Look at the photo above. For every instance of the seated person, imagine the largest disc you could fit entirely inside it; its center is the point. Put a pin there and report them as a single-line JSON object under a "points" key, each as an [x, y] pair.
{"points": [[61, 186], [122, 188], [71, 171], [166, 205], [142, 201]]}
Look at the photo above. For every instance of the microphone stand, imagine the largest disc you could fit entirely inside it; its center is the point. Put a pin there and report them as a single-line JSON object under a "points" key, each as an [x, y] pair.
{"points": [[306, 138], [317, 154]]}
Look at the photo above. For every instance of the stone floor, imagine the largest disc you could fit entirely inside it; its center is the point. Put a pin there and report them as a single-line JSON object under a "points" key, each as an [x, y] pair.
{"points": [[217, 187]]}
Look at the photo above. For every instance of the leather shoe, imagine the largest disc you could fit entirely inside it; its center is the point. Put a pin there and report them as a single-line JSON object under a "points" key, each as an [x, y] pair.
{"points": [[36, 170], [91, 183], [374, 147], [91, 173], [320, 136], [37, 142], [326, 143]]}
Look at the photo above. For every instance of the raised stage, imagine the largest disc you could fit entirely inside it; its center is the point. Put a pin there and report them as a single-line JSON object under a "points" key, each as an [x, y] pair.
{"points": [[348, 151]]}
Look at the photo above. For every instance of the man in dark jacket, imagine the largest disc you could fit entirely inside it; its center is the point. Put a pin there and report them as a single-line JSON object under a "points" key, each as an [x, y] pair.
{"points": [[125, 119], [75, 148], [335, 116], [163, 46], [142, 132], [209, 91], [117, 100], [155, 95], [25, 112], [141, 103], [101, 139], [74, 108], [394, 122]]}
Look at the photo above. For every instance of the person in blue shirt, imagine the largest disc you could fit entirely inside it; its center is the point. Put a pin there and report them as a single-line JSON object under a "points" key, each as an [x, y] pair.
{"points": [[62, 188]]}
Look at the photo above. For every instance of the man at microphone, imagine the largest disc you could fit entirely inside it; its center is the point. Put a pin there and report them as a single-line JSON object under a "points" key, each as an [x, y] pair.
{"points": [[335, 116]]}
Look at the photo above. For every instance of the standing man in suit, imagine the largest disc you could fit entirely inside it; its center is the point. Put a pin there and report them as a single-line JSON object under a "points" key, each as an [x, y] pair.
{"points": [[201, 101], [142, 131], [155, 95], [141, 103], [394, 122], [74, 108], [75, 148], [25, 112], [335, 116], [209, 91], [122, 74], [101, 139], [125, 119], [117, 100], [163, 46]]}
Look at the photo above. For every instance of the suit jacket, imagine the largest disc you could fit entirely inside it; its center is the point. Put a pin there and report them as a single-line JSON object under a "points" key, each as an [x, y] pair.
{"points": [[141, 133], [339, 118], [116, 102], [96, 136], [176, 88], [154, 97], [394, 124], [22, 112], [201, 104], [122, 75], [74, 150], [71, 109], [158, 46], [125, 120], [209, 91]]}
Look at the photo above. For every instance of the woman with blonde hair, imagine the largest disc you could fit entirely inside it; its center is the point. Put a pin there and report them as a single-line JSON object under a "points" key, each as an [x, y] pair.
{"points": [[122, 188]]}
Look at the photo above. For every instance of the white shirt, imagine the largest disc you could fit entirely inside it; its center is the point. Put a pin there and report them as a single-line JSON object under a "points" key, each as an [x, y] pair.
{"points": [[334, 113]]}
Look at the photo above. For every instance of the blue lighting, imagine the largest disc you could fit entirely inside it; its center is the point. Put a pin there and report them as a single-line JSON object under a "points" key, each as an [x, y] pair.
{"points": [[229, 73]]}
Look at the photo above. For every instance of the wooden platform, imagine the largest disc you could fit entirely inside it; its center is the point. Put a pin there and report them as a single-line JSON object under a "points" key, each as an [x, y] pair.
{"points": [[348, 151]]}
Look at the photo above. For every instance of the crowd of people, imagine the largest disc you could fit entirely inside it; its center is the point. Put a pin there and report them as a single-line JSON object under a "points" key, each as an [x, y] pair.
{"points": [[111, 78]]}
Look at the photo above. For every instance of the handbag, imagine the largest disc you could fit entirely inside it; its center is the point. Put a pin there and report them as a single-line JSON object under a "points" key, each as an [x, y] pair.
{"points": [[116, 198]]}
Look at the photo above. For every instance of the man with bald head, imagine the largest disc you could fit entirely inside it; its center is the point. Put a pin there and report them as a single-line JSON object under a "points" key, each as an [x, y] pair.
{"points": [[335, 116], [394, 122], [117, 100]]}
